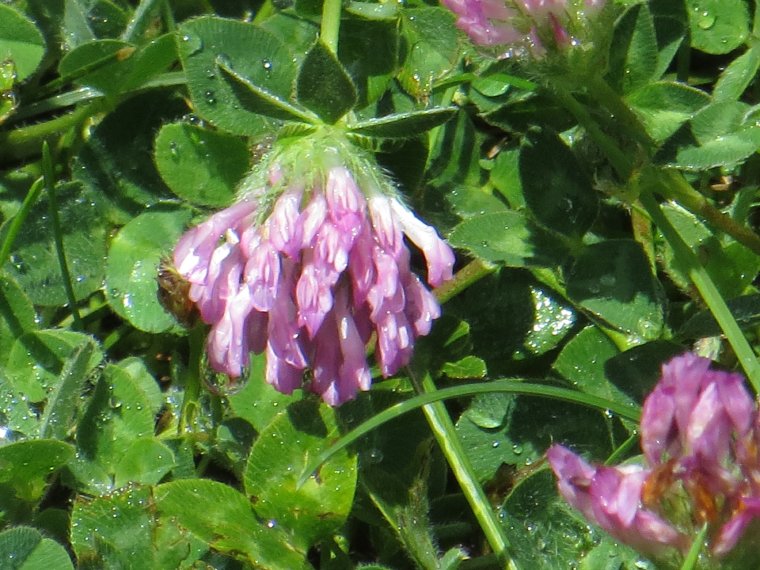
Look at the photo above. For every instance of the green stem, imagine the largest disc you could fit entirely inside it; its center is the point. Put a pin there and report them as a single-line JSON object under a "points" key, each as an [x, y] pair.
{"points": [[686, 258], [266, 10], [622, 450], [55, 103], [692, 557], [619, 160], [674, 186], [192, 380], [469, 274], [624, 118], [19, 219], [116, 336], [25, 141], [683, 62], [445, 433], [168, 17], [48, 174], [88, 315], [330, 25], [140, 20]]}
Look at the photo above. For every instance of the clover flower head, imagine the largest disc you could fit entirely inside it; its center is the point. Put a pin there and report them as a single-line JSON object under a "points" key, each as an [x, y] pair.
{"points": [[700, 434], [308, 265], [510, 28]]}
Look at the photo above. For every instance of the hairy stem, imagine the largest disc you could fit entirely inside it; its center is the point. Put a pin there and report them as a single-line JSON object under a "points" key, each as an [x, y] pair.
{"points": [[330, 26], [190, 402], [688, 261], [465, 277], [25, 141]]}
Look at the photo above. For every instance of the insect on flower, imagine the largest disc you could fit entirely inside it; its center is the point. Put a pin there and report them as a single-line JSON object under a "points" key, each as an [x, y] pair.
{"points": [[173, 293]]}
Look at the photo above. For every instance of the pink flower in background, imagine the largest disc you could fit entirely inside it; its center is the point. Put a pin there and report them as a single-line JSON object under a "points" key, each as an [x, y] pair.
{"points": [[513, 27], [307, 267], [700, 434]]}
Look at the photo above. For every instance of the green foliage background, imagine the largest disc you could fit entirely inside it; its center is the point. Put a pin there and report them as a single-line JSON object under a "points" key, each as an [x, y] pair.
{"points": [[602, 207]]}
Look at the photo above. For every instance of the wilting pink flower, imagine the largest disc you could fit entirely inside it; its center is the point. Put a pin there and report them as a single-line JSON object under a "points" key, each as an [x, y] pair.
{"points": [[307, 267], [513, 27], [700, 433], [612, 497]]}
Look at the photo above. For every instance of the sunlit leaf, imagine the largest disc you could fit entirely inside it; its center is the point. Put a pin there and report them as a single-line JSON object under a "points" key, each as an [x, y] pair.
{"points": [[251, 52], [199, 165], [25, 548], [323, 84], [20, 41], [132, 269], [222, 517], [317, 508]]}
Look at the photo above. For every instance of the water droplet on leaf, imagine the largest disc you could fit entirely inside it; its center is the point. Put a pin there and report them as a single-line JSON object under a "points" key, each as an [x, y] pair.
{"points": [[706, 20], [193, 44]]}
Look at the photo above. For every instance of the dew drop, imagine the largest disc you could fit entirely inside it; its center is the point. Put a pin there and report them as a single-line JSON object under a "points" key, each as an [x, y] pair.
{"points": [[192, 43], [127, 301], [706, 20], [224, 59], [608, 280], [375, 456]]}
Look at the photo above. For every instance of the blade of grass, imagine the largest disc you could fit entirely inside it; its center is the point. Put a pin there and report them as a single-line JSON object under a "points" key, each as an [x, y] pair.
{"points": [[622, 450], [141, 19], [496, 386], [445, 434], [19, 219], [692, 557], [48, 175]]}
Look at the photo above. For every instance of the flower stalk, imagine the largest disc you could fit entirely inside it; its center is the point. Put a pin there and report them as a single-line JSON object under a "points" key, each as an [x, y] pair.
{"points": [[707, 290]]}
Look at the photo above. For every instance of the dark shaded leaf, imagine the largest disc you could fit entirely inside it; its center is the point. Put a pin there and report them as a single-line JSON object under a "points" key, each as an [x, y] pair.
{"points": [[324, 85], [403, 125]]}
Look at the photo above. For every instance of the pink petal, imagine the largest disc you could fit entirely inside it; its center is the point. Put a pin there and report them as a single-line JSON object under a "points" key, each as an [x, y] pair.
{"points": [[440, 258]]}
